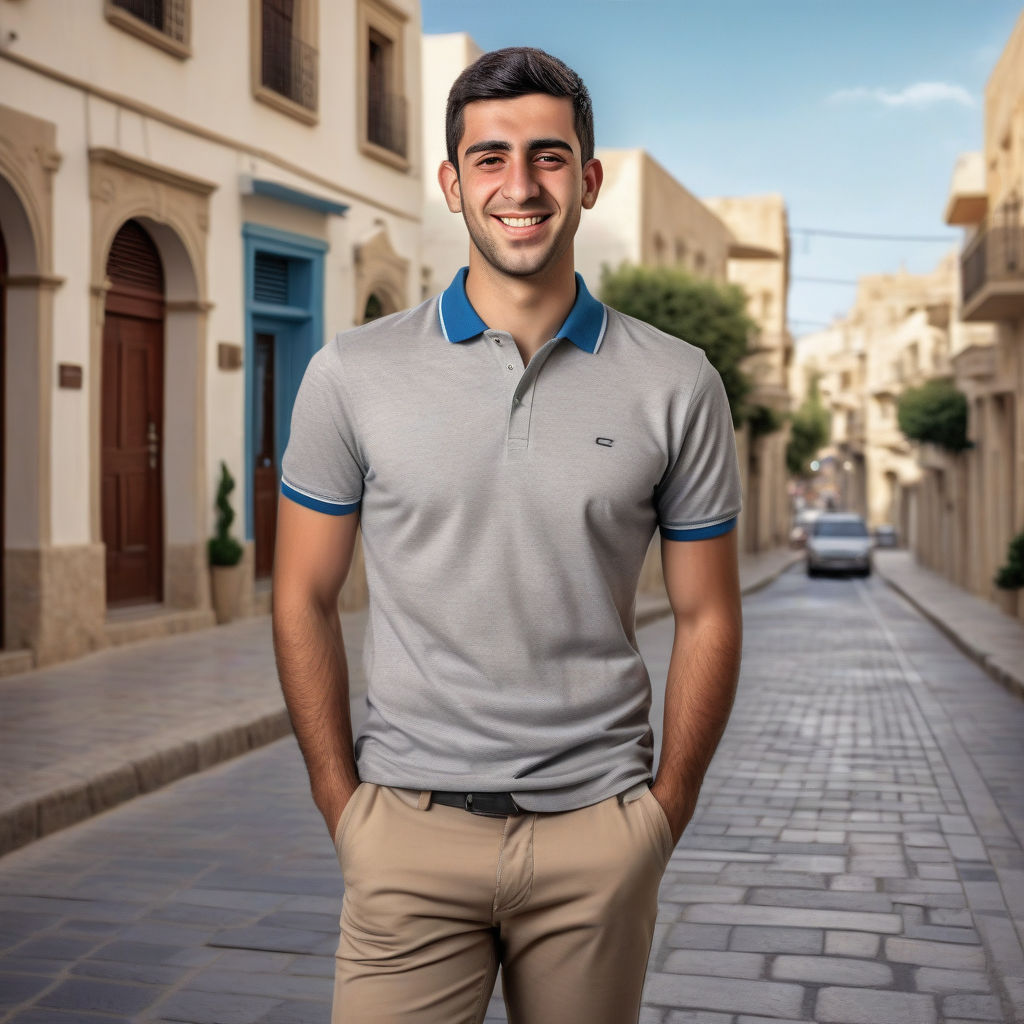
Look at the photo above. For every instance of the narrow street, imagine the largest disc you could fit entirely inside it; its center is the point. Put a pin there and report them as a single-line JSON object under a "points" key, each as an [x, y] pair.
{"points": [[857, 856]]}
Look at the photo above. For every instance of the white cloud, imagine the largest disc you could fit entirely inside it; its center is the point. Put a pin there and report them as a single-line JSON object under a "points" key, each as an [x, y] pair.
{"points": [[920, 94]]}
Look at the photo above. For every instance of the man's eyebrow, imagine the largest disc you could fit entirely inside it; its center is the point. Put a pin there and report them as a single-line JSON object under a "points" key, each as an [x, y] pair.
{"points": [[492, 145]]}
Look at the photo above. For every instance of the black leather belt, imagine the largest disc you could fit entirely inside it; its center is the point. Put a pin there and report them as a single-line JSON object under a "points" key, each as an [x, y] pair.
{"points": [[492, 805]]}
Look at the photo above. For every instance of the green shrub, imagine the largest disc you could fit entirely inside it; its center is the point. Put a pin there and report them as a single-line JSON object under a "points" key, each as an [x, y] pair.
{"points": [[223, 548], [935, 412], [1011, 575], [808, 432], [709, 315]]}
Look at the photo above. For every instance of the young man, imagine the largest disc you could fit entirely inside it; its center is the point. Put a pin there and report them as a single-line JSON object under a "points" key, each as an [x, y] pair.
{"points": [[509, 448]]}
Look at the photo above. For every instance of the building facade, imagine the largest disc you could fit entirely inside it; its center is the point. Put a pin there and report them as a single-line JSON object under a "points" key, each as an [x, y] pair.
{"points": [[973, 504], [182, 224]]}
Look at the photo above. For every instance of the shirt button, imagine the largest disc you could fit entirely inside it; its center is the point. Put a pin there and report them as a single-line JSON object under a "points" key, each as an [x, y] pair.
{"points": [[510, 367], [497, 341]]}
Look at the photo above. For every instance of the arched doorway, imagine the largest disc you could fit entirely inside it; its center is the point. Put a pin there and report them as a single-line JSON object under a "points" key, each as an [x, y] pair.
{"points": [[132, 419]]}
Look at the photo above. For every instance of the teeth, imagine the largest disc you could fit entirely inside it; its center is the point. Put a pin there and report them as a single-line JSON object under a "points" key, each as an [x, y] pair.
{"points": [[521, 222]]}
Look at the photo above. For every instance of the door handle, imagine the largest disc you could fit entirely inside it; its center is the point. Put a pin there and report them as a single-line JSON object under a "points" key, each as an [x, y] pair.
{"points": [[152, 443]]}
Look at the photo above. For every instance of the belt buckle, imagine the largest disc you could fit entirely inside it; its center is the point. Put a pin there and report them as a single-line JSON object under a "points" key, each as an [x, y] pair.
{"points": [[473, 807]]}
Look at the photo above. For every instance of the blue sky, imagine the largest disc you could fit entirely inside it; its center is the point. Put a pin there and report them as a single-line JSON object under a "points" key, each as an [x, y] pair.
{"points": [[854, 111]]}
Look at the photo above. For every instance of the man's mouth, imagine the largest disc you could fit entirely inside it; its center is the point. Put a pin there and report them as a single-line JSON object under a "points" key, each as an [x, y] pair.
{"points": [[524, 222]]}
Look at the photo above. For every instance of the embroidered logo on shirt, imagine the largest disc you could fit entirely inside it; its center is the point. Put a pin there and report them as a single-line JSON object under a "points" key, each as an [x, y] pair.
{"points": [[606, 442]]}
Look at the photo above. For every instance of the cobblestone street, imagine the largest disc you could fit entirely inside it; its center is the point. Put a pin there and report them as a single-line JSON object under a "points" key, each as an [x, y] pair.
{"points": [[856, 856]]}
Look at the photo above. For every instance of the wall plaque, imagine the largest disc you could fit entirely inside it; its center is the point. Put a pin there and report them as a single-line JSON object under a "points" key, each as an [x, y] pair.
{"points": [[69, 376]]}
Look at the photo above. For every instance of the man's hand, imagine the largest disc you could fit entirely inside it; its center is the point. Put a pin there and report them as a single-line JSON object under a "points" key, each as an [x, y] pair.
{"points": [[702, 580], [678, 804]]}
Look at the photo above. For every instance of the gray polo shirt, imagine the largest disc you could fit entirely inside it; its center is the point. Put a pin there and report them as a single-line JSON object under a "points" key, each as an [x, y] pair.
{"points": [[505, 512]]}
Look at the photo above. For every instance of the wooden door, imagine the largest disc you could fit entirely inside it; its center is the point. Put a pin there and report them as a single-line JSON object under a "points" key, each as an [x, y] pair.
{"points": [[265, 471], [132, 420], [3, 418]]}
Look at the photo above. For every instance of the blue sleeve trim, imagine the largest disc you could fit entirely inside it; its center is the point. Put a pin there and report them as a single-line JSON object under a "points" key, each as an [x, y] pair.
{"points": [[701, 533], [330, 508]]}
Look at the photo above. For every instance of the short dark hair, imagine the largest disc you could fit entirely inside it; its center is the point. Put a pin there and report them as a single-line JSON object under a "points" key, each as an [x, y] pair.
{"points": [[518, 71]]}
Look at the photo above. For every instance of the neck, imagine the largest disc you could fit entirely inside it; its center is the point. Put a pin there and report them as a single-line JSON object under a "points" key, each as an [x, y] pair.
{"points": [[531, 308]]}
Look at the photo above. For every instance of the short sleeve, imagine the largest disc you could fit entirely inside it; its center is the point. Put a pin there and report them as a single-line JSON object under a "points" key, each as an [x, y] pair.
{"points": [[699, 497], [321, 468]]}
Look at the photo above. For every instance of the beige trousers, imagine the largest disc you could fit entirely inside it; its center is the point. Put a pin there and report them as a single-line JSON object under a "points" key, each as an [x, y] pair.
{"points": [[436, 899]]}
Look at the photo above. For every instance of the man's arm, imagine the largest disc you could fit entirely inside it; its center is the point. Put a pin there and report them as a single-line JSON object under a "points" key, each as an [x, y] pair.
{"points": [[702, 580], [312, 555]]}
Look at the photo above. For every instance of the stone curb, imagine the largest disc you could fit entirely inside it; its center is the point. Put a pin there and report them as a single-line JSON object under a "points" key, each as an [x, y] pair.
{"points": [[991, 663], [51, 811]]}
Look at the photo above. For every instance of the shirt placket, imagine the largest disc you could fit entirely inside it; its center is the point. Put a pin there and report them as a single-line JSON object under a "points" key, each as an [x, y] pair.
{"points": [[520, 387]]}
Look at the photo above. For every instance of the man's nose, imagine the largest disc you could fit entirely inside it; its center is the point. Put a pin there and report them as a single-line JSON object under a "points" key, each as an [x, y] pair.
{"points": [[520, 184]]}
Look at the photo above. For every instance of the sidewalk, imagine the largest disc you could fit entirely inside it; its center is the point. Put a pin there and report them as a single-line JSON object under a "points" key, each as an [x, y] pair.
{"points": [[994, 640], [79, 738]]}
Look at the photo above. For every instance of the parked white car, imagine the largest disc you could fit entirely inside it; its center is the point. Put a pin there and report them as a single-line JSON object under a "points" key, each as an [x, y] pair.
{"points": [[839, 542]]}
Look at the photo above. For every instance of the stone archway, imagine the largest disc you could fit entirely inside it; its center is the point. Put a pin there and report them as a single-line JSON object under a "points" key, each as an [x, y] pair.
{"points": [[173, 208], [382, 277], [32, 593]]}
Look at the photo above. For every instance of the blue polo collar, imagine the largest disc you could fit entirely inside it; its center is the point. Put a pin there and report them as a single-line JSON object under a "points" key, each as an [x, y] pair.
{"points": [[584, 326]]}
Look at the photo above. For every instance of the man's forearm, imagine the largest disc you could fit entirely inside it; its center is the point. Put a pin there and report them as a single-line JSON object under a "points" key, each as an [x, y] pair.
{"points": [[699, 693], [314, 678]]}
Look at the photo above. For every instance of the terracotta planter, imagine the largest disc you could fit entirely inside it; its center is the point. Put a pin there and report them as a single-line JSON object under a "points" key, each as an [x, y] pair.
{"points": [[225, 587]]}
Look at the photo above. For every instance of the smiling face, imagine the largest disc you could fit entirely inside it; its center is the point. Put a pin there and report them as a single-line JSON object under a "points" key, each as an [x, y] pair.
{"points": [[520, 185]]}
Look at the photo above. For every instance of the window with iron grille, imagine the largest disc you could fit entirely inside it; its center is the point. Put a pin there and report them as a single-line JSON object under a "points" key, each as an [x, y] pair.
{"points": [[288, 63], [385, 111], [167, 16]]}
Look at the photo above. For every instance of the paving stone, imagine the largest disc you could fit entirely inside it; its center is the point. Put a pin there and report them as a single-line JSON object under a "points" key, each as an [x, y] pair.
{"points": [[716, 913], [862, 944], [868, 1006], [697, 894], [714, 963], [724, 994], [950, 918], [871, 901], [831, 970], [282, 986], [972, 1007], [762, 939], [148, 974], [966, 847], [697, 1017], [96, 996], [16, 988], [698, 936], [934, 954], [215, 1008], [939, 933], [853, 883], [938, 979]]}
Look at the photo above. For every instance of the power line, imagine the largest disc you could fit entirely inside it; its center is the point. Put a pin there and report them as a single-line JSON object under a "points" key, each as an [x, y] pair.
{"points": [[827, 280], [868, 236]]}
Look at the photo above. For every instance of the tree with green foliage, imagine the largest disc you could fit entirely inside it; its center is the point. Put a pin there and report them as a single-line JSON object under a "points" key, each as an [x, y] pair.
{"points": [[709, 315], [1011, 575], [223, 548], [935, 412], [808, 432]]}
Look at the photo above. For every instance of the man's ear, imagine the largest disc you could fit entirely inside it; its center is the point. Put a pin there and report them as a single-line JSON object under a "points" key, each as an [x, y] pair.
{"points": [[593, 175], [448, 179]]}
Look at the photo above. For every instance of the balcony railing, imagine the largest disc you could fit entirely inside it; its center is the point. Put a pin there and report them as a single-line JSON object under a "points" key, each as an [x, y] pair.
{"points": [[167, 16], [290, 67], [386, 122], [994, 257]]}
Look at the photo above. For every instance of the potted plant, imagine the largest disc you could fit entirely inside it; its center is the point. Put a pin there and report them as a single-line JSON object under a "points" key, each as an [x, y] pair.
{"points": [[225, 554], [1010, 577]]}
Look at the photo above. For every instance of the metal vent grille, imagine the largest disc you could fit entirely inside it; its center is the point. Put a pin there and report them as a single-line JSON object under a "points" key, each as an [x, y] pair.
{"points": [[270, 279], [134, 260]]}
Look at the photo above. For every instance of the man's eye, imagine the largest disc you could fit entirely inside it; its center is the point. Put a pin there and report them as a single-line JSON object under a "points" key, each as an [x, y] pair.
{"points": [[550, 158], [489, 161]]}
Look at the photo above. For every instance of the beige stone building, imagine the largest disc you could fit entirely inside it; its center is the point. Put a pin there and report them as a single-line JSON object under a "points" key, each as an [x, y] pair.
{"points": [[645, 216], [973, 504], [182, 223], [759, 264], [896, 335]]}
